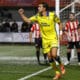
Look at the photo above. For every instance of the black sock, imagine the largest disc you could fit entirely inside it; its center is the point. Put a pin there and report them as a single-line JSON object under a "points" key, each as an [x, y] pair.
{"points": [[68, 56], [38, 55], [58, 59], [78, 54], [45, 56]]}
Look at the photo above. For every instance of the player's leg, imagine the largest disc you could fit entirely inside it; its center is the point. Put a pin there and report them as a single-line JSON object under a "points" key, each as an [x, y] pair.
{"points": [[47, 49], [68, 54], [45, 58], [77, 44], [70, 47], [38, 54], [78, 54], [37, 50], [54, 55], [60, 64], [44, 54], [58, 59]]}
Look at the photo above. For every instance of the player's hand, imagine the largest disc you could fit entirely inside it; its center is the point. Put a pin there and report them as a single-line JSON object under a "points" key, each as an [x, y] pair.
{"points": [[21, 11]]}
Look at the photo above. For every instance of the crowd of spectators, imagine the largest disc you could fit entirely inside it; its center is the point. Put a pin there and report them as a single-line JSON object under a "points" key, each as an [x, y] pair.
{"points": [[26, 27], [13, 26]]}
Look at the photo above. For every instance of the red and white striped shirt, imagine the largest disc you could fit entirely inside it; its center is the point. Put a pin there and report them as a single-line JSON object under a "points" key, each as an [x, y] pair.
{"points": [[79, 33], [36, 29], [71, 28]]}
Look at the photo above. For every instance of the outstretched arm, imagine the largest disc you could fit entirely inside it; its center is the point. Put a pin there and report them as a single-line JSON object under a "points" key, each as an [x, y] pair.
{"points": [[60, 30], [57, 20], [21, 12], [30, 37]]}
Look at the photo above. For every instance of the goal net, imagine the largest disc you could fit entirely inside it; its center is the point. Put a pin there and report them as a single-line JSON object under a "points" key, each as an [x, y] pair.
{"points": [[67, 6]]}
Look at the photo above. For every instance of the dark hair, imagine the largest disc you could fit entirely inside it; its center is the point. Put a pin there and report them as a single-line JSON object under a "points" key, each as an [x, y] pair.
{"points": [[45, 5], [72, 13]]}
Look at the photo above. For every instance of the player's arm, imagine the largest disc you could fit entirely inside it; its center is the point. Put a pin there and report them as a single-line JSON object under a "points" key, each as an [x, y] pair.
{"points": [[21, 12], [31, 31], [58, 21], [30, 37], [60, 30], [66, 30]]}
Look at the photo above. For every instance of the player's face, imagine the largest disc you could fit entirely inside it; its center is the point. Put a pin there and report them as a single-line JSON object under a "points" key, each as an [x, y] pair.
{"points": [[40, 8], [71, 17]]}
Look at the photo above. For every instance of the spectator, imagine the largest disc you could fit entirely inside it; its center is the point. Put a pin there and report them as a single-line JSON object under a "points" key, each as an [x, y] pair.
{"points": [[6, 26], [14, 26], [24, 27]]}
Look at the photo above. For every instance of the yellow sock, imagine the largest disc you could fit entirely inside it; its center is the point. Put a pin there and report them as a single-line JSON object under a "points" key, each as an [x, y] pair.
{"points": [[57, 72], [53, 64]]}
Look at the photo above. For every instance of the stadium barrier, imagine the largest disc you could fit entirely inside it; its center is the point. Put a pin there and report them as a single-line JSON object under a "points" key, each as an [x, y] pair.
{"points": [[15, 37], [22, 38]]}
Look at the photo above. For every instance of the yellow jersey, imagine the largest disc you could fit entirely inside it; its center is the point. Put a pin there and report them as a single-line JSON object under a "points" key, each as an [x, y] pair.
{"points": [[47, 25]]}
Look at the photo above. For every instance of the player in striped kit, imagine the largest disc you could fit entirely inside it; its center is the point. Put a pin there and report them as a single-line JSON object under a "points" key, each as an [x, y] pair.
{"points": [[73, 36], [38, 41]]}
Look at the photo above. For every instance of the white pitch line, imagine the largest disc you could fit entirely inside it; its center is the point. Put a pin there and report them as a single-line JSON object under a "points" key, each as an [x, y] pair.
{"points": [[18, 58], [34, 74]]}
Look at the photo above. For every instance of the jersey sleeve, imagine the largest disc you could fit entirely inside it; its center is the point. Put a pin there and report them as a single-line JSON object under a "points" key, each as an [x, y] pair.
{"points": [[34, 18], [56, 19]]}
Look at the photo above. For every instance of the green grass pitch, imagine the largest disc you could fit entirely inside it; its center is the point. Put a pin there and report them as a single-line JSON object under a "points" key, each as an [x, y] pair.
{"points": [[16, 71]]}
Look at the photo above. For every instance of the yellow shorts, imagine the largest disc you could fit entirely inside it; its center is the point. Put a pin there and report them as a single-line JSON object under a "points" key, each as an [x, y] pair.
{"points": [[48, 44]]}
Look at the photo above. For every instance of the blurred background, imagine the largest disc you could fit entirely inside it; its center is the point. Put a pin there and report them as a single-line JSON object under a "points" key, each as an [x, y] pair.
{"points": [[17, 53]]}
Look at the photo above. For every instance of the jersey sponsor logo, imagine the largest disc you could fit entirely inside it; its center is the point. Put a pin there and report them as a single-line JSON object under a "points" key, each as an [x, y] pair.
{"points": [[44, 24]]}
